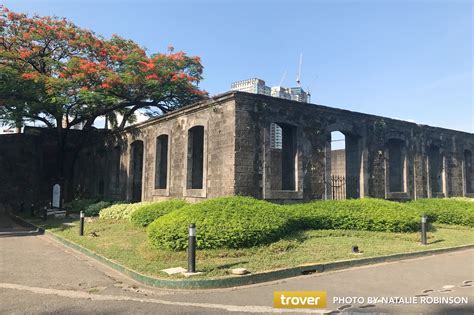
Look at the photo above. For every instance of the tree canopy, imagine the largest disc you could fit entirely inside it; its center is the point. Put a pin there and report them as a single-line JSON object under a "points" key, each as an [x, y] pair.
{"points": [[62, 75]]}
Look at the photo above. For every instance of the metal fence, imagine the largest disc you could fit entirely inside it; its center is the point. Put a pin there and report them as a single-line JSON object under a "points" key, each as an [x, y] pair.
{"points": [[344, 187]]}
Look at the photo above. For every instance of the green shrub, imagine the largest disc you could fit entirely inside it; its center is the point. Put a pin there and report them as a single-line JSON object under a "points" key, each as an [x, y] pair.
{"points": [[356, 214], [449, 210], [79, 205], [149, 213], [230, 222], [120, 211], [94, 209], [234, 222]]}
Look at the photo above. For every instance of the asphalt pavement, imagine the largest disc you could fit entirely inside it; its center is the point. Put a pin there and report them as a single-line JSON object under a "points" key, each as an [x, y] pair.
{"points": [[38, 275]]}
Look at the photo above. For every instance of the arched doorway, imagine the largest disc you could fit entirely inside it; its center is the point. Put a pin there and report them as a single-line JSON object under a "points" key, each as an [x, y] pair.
{"points": [[136, 170], [344, 165]]}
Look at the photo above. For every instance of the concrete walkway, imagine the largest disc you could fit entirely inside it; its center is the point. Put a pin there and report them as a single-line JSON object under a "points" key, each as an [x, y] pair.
{"points": [[40, 276]]}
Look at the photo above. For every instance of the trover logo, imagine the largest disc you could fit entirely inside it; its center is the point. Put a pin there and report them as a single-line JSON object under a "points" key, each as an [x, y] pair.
{"points": [[299, 299]]}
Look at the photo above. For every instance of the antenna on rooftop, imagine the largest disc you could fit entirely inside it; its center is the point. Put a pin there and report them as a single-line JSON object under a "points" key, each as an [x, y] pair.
{"points": [[298, 76], [282, 78]]}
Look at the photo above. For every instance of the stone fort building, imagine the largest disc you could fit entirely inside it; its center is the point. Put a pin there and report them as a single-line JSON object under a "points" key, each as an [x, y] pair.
{"points": [[226, 146]]}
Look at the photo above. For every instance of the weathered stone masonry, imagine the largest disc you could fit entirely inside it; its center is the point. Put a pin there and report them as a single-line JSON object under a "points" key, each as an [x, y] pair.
{"points": [[224, 146], [194, 146]]}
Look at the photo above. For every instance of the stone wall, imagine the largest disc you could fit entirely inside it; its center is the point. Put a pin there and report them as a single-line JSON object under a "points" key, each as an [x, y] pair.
{"points": [[117, 166], [235, 151], [338, 162], [27, 168], [18, 169], [367, 139]]}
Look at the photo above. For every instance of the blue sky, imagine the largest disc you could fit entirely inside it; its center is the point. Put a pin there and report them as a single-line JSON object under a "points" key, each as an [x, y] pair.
{"points": [[410, 60]]}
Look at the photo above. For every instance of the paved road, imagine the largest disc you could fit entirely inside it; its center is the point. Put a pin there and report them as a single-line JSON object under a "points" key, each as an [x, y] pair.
{"points": [[40, 276]]}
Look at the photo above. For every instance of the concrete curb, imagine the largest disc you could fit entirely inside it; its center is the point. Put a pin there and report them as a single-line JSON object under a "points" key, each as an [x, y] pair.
{"points": [[246, 279]]}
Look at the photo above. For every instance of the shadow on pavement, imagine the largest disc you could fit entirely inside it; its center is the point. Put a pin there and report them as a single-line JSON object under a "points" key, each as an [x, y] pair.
{"points": [[9, 227]]}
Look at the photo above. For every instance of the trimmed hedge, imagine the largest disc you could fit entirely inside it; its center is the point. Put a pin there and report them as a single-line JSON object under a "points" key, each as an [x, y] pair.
{"points": [[149, 213], [356, 214], [121, 211], [79, 205], [230, 222], [94, 209], [449, 210], [235, 222]]}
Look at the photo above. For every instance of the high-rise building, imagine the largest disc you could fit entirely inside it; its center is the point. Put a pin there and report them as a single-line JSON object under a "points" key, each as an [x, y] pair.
{"points": [[258, 86], [276, 136], [281, 92], [255, 86], [299, 95]]}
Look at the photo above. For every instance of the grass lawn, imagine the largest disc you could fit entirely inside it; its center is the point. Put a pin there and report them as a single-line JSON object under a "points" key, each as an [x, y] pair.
{"points": [[129, 246]]}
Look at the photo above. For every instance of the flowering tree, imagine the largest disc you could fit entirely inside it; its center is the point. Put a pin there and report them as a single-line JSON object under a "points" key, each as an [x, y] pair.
{"points": [[61, 75]]}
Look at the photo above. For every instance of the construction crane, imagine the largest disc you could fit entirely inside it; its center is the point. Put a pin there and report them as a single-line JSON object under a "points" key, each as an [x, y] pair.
{"points": [[298, 76], [282, 78]]}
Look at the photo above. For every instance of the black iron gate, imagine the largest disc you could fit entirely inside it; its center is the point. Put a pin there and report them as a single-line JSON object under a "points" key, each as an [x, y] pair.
{"points": [[344, 187]]}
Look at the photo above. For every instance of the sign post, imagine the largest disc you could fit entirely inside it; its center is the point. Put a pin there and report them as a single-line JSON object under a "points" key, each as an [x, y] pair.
{"points": [[56, 196]]}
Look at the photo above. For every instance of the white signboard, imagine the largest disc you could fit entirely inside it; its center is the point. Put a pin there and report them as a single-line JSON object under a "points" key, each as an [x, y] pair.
{"points": [[56, 196]]}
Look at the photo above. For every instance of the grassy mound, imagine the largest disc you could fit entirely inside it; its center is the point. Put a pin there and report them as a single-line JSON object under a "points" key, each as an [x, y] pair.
{"points": [[237, 222], [449, 210], [150, 212], [234, 222], [227, 222], [356, 214]]}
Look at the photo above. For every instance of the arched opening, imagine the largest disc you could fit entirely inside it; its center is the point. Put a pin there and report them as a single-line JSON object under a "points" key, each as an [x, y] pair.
{"points": [[283, 151], [344, 165], [468, 172], [396, 165], [136, 170], [435, 169], [161, 162], [338, 153], [116, 166], [195, 157]]}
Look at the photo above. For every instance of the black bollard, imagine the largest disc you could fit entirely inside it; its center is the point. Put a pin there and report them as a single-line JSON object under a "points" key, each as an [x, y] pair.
{"points": [[81, 224], [45, 213], [192, 249], [423, 229], [32, 210], [22, 206]]}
